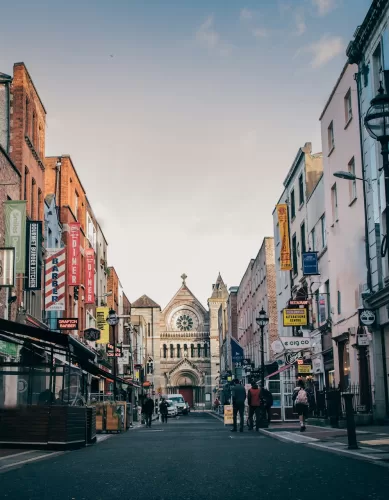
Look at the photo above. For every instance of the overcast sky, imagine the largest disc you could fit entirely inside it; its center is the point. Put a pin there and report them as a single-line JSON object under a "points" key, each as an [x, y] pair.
{"points": [[182, 118]]}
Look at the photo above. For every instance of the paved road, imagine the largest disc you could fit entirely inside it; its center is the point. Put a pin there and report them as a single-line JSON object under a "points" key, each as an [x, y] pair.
{"points": [[196, 458]]}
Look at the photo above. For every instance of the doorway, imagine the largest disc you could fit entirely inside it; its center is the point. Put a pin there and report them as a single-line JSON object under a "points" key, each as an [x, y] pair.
{"points": [[187, 394]]}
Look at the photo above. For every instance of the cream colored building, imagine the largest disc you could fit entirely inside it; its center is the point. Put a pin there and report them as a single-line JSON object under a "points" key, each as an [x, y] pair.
{"points": [[181, 348]]}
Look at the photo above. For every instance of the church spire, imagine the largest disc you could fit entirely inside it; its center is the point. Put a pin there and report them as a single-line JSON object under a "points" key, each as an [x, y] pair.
{"points": [[219, 289]]}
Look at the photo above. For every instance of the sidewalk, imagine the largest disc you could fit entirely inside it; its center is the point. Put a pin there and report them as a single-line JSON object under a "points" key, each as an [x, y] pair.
{"points": [[373, 441]]}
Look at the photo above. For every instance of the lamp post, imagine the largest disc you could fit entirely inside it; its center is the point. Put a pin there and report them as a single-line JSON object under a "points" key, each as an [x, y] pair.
{"points": [[113, 320], [262, 321]]}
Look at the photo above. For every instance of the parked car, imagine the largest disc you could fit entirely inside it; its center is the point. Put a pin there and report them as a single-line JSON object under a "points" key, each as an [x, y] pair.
{"points": [[172, 410], [179, 402], [187, 410]]}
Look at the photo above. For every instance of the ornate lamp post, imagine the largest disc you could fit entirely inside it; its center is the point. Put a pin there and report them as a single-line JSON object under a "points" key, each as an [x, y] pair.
{"points": [[113, 320], [377, 125], [262, 321]]}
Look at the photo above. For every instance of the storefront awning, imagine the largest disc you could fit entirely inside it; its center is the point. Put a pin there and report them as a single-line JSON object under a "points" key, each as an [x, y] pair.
{"points": [[282, 369]]}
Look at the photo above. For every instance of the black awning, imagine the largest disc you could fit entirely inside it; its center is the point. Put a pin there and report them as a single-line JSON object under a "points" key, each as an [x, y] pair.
{"points": [[25, 332]]}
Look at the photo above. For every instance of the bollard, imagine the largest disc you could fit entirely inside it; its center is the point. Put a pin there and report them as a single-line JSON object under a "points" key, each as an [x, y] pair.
{"points": [[351, 433]]}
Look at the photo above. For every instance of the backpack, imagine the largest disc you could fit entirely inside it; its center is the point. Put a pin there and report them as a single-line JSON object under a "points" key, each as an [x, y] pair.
{"points": [[302, 397]]}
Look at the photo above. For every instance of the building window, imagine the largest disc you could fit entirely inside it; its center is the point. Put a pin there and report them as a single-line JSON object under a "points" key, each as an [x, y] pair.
{"points": [[164, 351], [199, 350], [303, 243], [339, 303], [301, 189], [323, 230], [26, 183], [205, 350], [292, 205], [327, 295], [34, 129], [40, 201], [148, 330], [294, 253], [313, 238], [178, 351], [353, 184], [334, 203], [331, 138], [171, 351], [76, 204], [27, 122], [192, 353], [348, 110], [33, 201]]}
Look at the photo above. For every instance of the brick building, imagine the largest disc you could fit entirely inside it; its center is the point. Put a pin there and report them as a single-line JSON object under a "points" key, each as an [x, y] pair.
{"points": [[63, 181], [27, 150]]}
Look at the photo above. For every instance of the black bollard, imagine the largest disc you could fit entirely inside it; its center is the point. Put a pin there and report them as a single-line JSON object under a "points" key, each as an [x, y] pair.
{"points": [[351, 433]]}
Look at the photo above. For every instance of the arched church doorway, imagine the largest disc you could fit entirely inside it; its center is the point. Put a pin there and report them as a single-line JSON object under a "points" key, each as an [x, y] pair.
{"points": [[187, 384], [185, 387]]}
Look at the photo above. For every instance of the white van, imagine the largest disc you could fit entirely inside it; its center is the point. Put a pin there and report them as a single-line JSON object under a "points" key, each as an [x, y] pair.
{"points": [[179, 401]]}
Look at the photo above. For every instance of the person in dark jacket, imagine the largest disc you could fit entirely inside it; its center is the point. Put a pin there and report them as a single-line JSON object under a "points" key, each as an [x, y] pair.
{"points": [[238, 393], [267, 396], [163, 409], [147, 410]]}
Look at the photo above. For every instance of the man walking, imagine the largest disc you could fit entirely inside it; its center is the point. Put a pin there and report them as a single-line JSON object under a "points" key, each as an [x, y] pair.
{"points": [[267, 396], [238, 394], [163, 410], [147, 409], [254, 401]]}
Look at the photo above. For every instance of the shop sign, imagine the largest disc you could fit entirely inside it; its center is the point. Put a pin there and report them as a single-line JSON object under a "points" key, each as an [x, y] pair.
{"points": [[363, 340], [7, 267], [55, 265], [296, 343], [92, 334], [102, 325], [283, 225], [74, 254], [295, 317], [8, 349], [228, 415], [67, 324], [367, 317], [34, 255], [15, 231], [112, 353], [304, 368], [310, 264], [89, 276]]}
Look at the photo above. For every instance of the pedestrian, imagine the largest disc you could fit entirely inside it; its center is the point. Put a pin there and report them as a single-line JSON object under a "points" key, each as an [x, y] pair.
{"points": [[301, 402], [267, 397], [163, 409], [147, 409], [238, 394], [254, 401]]}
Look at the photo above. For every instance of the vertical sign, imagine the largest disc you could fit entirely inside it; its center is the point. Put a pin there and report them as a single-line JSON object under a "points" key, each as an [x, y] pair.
{"points": [[282, 212], [55, 264], [90, 276], [34, 255], [74, 255], [7, 267], [15, 231], [102, 325]]}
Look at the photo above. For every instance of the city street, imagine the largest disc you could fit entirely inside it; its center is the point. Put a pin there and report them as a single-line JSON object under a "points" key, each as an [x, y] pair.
{"points": [[195, 457]]}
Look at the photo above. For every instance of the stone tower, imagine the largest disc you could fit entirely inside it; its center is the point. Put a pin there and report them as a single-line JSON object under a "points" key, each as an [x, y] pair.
{"points": [[217, 300]]}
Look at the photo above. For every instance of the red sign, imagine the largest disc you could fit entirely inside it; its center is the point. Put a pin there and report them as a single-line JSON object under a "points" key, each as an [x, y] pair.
{"points": [[67, 323], [89, 276], [74, 255]]}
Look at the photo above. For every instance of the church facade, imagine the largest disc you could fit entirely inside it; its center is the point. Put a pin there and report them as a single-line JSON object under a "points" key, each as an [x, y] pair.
{"points": [[182, 344]]}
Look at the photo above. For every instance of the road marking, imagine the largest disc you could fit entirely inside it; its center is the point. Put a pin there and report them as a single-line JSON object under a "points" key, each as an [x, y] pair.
{"points": [[99, 439], [17, 454], [22, 462], [376, 442], [292, 437]]}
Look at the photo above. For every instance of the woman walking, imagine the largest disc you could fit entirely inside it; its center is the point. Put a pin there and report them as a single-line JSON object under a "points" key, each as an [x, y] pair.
{"points": [[301, 402]]}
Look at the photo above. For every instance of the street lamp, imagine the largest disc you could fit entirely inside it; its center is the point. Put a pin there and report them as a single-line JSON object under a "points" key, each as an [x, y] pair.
{"points": [[113, 320], [377, 125], [262, 321]]}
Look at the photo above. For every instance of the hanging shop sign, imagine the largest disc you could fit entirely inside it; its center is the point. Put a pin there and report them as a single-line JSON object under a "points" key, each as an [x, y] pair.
{"points": [[296, 343], [67, 324], [34, 255], [89, 276], [55, 265], [112, 353], [283, 224], [92, 334], [295, 317], [74, 254], [15, 232], [102, 325], [237, 353], [292, 357], [310, 264], [304, 369], [7, 267], [298, 303], [363, 339], [367, 317]]}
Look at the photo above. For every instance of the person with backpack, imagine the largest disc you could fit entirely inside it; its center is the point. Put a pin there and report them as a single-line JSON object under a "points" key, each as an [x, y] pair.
{"points": [[301, 403]]}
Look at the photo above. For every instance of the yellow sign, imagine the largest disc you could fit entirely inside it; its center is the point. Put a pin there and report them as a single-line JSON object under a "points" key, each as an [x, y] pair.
{"points": [[228, 415], [295, 317], [283, 224], [304, 368], [102, 325]]}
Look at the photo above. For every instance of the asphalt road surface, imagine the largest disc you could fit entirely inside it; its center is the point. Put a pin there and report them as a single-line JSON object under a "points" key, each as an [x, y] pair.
{"points": [[195, 458]]}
